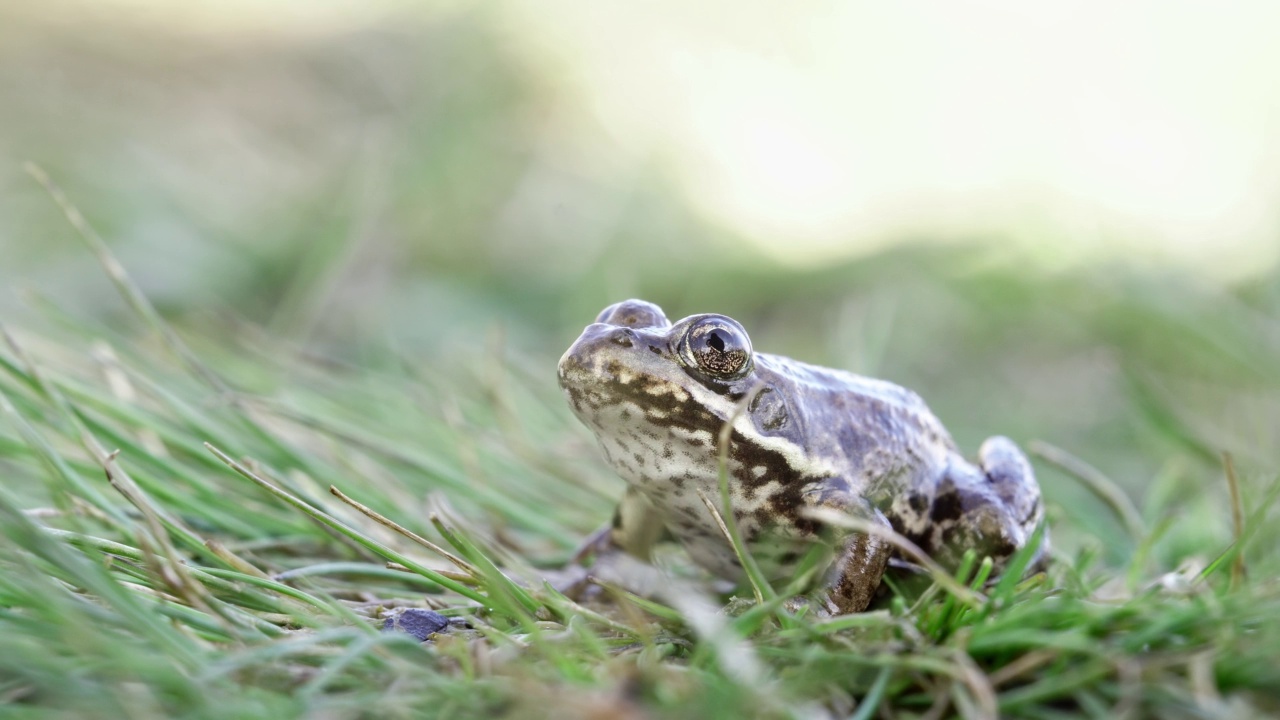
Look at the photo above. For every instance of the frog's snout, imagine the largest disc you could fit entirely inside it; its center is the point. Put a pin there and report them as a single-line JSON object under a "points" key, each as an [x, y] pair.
{"points": [[596, 341], [579, 362], [598, 335]]}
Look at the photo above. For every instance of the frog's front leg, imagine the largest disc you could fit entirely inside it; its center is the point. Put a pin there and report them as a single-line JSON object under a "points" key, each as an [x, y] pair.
{"points": [[635, 528], [855, 574], [860, 558]]}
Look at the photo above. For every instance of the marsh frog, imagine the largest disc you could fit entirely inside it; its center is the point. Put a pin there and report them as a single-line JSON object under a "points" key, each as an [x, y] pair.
{"points": [[658, 395]]}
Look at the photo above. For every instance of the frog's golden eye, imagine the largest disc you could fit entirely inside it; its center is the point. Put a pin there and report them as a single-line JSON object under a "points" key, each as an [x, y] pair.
{"points": [[717, 346]]}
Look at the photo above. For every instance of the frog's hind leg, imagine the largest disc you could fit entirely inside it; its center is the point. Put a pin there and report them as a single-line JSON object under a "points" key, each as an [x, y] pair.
{"points": [[993, 509], [1013, 480], [1010, 478]]}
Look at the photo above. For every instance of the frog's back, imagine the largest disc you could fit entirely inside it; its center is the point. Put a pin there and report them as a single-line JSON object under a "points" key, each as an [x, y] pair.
{"points": [[882, 435], [829, 384]]}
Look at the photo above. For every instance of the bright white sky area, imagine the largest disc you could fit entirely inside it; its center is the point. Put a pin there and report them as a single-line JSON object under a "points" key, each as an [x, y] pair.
{"points": [[822, 129], [1147, 132]]}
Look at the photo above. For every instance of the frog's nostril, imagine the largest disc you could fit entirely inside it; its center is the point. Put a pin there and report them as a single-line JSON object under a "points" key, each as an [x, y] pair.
{"points": [[626, 337]]}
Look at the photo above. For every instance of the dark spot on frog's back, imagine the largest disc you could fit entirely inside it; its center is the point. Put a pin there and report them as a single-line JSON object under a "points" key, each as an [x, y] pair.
{"points": [[750, 455], [784, 506], [919, 503], [946, 508]]}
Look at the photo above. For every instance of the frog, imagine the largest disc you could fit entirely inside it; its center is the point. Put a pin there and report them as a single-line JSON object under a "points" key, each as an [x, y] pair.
{"points": [[671, 404]]}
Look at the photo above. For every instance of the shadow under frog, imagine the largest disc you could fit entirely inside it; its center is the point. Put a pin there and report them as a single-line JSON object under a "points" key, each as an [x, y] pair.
{"points": [[657, 396]]}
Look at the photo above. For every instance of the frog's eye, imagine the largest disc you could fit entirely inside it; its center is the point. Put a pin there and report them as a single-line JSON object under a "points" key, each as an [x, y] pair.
{"points": [[717, 346]]}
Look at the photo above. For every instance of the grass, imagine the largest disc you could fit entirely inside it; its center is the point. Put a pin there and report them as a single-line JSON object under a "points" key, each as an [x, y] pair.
{"points": [[199, 526]]}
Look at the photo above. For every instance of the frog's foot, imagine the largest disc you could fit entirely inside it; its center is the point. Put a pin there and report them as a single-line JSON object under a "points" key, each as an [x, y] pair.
{"points": [[612, 566], [597, 543], [860, 558], [573, 581], [1011, 476], [815, 605]]}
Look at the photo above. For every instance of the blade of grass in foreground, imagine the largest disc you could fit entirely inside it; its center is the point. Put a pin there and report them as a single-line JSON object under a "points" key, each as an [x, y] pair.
{"points": [[364, 541], [129, 290], [1250, 528], [60, 468], [94, 578]]}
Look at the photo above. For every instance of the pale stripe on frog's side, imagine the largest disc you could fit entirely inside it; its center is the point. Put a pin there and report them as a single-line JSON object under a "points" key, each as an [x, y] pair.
{"points": [[657, 396]]}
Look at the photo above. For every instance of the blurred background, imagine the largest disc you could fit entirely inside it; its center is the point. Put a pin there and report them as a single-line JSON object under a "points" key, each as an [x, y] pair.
{"points": [[1052, 223]]}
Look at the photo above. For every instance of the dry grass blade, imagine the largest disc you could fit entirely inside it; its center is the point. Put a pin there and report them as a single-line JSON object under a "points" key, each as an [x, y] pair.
{"points": [[234, 561], [1097, 483], [979, 686], [1237, 518], [160, 522], [1025, 664], [132, 294], [333, 523], [464, 578], [739, 551], [725, 519], [161, 556], [463, 565]]}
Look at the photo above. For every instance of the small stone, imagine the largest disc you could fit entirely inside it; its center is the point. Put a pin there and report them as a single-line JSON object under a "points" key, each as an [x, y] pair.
{"points": [[417, 622]]}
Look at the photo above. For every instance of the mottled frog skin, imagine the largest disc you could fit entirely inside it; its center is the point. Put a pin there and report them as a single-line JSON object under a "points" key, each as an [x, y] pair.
{"points": [[657, 396]]}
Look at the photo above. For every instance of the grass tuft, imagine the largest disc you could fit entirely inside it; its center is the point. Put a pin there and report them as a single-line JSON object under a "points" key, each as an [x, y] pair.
{"points": [[145, 570]]}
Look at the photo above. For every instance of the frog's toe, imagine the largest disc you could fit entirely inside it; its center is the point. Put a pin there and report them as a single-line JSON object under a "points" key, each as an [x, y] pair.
{"points": [[1004, 461], [817, 605], [992, 532], [572, 581], [597, 543]]}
